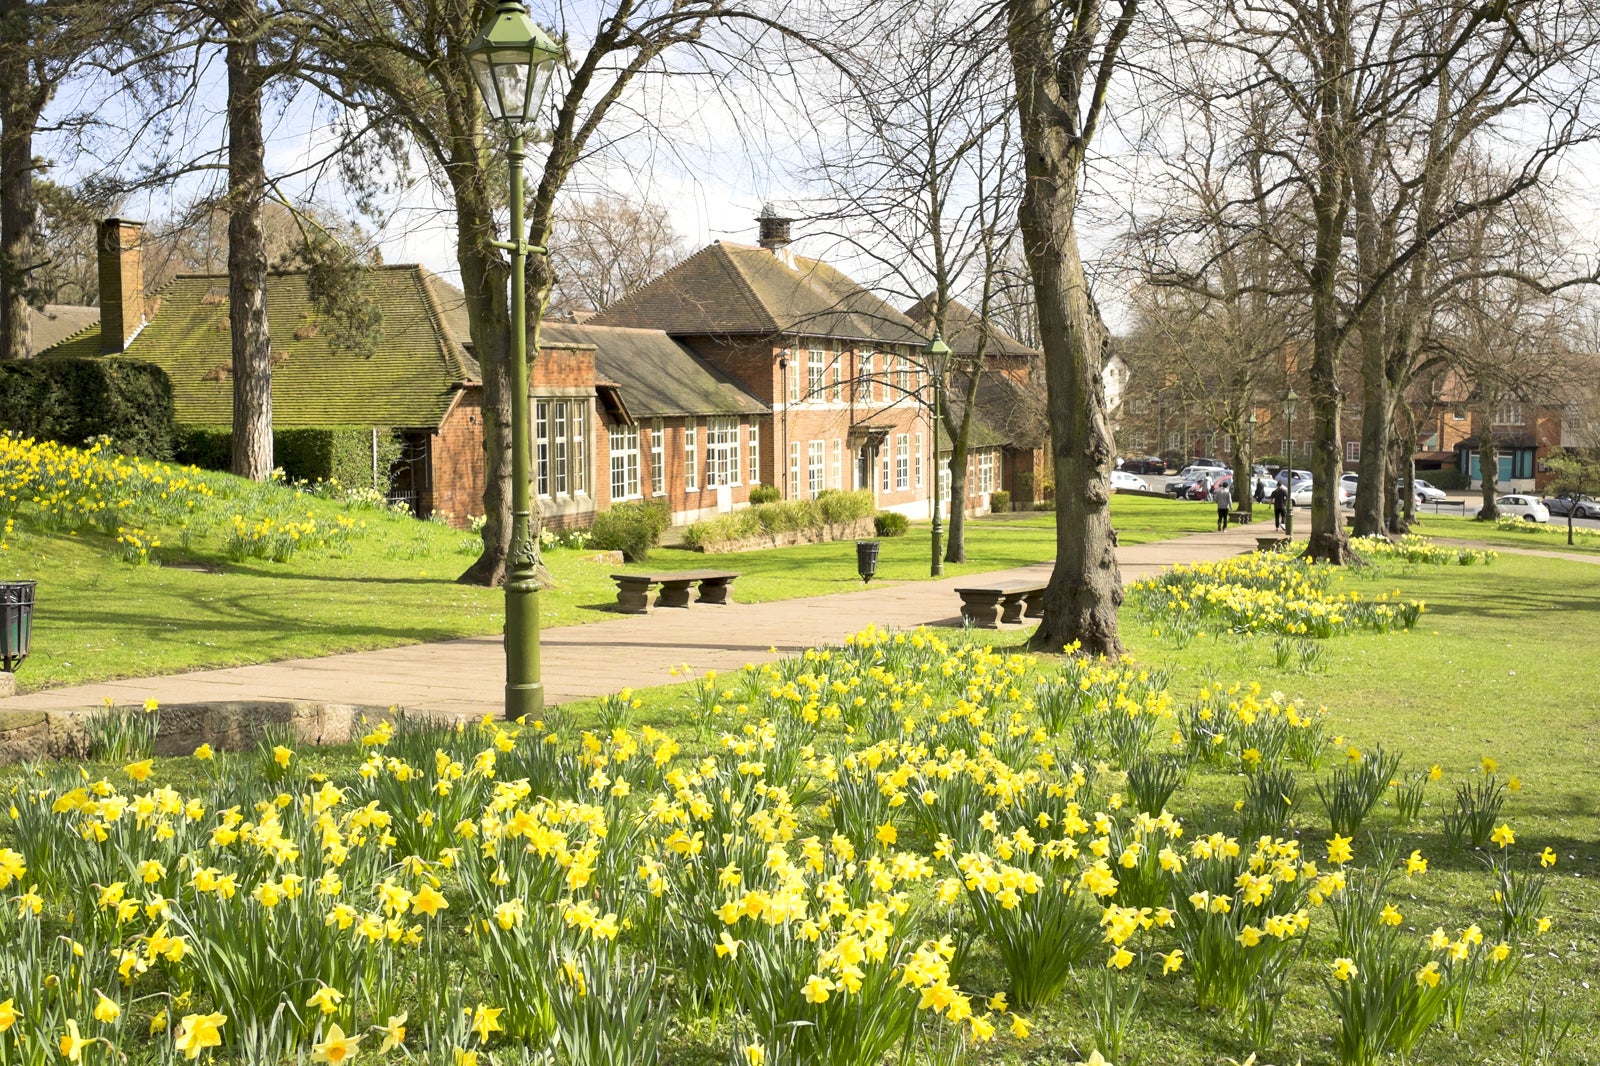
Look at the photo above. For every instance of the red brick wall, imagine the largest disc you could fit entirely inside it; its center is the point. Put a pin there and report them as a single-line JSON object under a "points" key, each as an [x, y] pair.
{"points": [[458, 459], [685, 505]]}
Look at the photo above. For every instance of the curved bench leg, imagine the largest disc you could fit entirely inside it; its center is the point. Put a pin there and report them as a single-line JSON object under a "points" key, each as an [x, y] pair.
{"points": [[1035, 604], [674, 594], [1011, 608], [716, 591], [633, 598], [981, 609]]}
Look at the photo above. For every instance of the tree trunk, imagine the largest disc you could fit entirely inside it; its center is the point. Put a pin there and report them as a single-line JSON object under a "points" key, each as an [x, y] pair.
{"points": [[1373, 490], [1489, 467], [484, 278], [247, 247], [960, 437], [21, 102], [1085, 588], [1243, 480]]}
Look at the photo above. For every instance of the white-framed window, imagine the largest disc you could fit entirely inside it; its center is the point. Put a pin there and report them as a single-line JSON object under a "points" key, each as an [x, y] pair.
{"points": [[794, 470], [986, 471], [1458, 414], [838, 464], [944, 484], [883, 476], [916, 459], [902, 377], [658, 458], [541, 446], [1508, 414], [816, 367], [624, 462], [1285, 447], [864, 378], [559, 447], [755, 451], [691, 455], [791, 375], [836, 393], [1352, 451], [816, 456], [722, 451], [902, 462]]}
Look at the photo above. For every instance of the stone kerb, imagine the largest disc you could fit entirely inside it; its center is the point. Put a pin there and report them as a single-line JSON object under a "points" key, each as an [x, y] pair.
{"points": [[861, 527], [233, 725]]}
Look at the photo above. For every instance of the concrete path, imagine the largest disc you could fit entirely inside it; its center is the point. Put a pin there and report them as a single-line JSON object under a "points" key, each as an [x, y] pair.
{"points": [[466, 677]]}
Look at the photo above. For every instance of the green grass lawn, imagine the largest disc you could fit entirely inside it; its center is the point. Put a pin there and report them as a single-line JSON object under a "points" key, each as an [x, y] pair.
{"points": [[1550, 536], [100, 618]]}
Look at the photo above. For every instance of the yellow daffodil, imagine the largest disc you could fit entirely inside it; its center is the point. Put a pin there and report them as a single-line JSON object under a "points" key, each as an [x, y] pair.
{"points": [[486, 1020], [394, 1033], [1503, 835], [335, 1048], [196, 1032], [1344, 969]]}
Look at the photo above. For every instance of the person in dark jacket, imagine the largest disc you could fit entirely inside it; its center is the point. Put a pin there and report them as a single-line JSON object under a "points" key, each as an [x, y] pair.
{"points": [[1280, 506]]}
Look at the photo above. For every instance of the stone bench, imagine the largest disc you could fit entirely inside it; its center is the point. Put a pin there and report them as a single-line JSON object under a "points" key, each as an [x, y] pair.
{"points": [[986, 606], [633, 590], [1240, 518], [1267, 544]]}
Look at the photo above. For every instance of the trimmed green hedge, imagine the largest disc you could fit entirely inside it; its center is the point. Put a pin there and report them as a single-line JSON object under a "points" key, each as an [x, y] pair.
{"points": [[335, 453], [631, 528], [72, 401], [891, 524], [830, 508]]}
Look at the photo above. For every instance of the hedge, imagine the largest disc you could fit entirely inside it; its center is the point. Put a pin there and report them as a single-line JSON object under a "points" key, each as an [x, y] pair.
{"points": [[830, 508], [334, 453], [72, 401], [631, 528]]}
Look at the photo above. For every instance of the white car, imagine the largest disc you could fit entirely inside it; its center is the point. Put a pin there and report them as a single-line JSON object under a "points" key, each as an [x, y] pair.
{"points": [[1302, 494], [1527, 507], [1121, 479], [1429, 493]]}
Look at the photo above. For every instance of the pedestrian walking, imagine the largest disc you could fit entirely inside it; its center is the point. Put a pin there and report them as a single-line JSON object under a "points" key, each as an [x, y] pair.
{"points": [[1223, 498], [1280, 506], [1261, 490]]}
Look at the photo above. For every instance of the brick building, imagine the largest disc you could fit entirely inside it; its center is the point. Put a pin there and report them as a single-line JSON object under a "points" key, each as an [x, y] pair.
{"points": [[838, 368]]}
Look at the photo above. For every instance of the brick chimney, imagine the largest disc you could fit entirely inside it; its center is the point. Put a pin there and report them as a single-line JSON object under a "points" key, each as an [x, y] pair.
{"points": [[121, 283], [774, 229]]}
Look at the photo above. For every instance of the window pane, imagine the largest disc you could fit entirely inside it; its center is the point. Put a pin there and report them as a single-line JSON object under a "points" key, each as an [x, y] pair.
{"points": [[541, 453]]}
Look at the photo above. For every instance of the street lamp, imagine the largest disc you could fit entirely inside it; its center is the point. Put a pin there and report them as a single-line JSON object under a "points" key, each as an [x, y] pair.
{"points": [[512, 60], [1250, 459], [936, 352], [1289, 403]]}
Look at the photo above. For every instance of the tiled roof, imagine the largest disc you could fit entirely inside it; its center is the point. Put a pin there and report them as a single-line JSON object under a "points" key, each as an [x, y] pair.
{"points": [[408, 382], [1009, 413], [962, 328], [659, 377], [736, 289], [57, 322]]}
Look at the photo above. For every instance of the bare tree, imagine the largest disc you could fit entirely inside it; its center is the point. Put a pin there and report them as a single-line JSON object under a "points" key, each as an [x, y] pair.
{"points": [[605, 247], [1063, 59], [406, 62], [922, 183], [1344, 71]]}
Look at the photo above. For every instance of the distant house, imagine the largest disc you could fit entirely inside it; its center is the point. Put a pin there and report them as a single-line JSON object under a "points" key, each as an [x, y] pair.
{"points": [[1009, 446], [617, 413], [838, 368], [54, 323]]}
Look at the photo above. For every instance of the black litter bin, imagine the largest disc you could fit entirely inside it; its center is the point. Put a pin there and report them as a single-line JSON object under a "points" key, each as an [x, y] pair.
{"points": [[16, 622], [867, 559]]}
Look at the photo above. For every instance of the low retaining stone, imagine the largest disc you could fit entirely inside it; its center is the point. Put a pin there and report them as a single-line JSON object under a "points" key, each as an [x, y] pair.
{"points": [[861, 527], [230, 725], [8, 684]]}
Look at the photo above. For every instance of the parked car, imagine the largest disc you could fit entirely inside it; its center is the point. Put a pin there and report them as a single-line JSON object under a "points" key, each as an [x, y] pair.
{"points": [[1179, 486], [1148, 464], [1299, 476], [1301, 494], [1353, 483], [1428, 493], [1121, 479], [1200, 491], [1520, 506], [1586, 506]]}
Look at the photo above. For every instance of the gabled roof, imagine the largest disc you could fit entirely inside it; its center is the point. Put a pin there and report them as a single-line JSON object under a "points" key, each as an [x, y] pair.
{"points": [[1008, 412], [57, 322], [409, 381], [736, 289], [963, 327], [659, 377]]}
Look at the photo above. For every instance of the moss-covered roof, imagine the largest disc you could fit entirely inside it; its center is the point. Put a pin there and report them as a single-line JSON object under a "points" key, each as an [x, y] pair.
{"points": [[408, 381]]}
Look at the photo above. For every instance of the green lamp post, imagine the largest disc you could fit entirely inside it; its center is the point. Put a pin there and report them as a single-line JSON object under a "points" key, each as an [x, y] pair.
{"points": [[937, 354], [512, 60], [1290, 402]]}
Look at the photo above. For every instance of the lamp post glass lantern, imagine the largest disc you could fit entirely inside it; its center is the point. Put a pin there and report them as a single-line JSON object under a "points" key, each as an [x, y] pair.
{"points": [[937, 353], [512, 60], [1290, 402]]}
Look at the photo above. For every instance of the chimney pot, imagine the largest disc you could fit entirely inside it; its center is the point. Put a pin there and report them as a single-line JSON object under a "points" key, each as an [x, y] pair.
{"points": [[122, 309], [773, 232]]}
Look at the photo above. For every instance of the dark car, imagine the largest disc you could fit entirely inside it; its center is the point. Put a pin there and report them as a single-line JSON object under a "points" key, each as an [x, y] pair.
{"points": [[1587, 506], [1148, 464]]}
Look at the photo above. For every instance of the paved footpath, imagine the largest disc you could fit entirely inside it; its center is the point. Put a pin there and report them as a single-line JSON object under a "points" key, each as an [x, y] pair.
{"points": [[467, 677]]}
